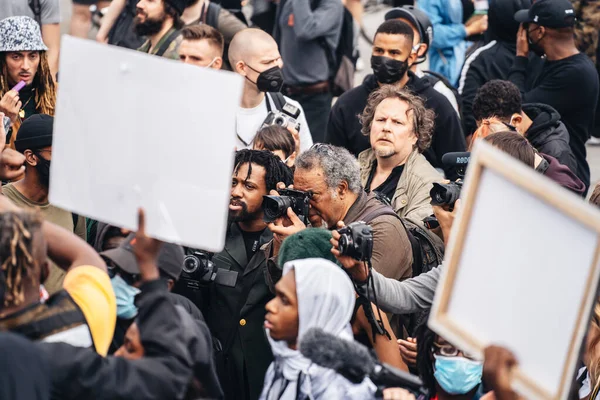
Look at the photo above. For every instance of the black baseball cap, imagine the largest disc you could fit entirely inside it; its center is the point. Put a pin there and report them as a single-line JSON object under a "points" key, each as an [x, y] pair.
{"points": [[35, 132], [170, 258], [416, 17], [548, 13]]}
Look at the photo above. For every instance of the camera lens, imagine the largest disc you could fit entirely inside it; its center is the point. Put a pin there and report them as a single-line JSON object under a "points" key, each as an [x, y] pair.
{"points": [[344, 244], [190, 264], [275, 206], [281, 121]]}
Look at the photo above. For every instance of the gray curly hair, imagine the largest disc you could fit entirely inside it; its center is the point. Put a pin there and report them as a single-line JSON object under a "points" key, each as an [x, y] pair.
{"points": [[337, 163], [423, 118]]}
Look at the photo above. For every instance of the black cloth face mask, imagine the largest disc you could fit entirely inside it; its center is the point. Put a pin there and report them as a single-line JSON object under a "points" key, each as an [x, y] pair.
{"points": [[534, 46], [270, 80], [387, 70], [43, 170]]}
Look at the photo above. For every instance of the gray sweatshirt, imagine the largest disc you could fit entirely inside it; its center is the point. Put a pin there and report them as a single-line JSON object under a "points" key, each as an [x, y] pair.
{"points": [[403, 297], [298, 30]]}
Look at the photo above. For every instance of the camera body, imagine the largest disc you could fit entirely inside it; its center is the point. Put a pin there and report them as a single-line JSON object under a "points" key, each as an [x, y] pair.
{"points": [[356, 241], [198, 268], [276, 206], [287, 117], [447, 193]]}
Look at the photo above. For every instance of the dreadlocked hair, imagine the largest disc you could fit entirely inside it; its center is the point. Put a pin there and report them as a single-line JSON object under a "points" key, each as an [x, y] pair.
{"points": [[45, 89], [425, 339], [275, 170], [16, 252]]}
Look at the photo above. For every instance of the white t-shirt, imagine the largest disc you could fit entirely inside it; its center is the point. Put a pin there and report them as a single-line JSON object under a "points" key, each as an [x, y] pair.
{"points": [[249, 120]]}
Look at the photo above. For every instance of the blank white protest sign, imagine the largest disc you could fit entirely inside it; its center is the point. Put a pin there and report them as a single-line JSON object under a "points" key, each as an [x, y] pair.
{"points": [[521, 271], [134, 130]]}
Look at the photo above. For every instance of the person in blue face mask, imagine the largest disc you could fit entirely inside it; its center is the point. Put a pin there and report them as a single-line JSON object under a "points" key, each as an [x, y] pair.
{"points": [[124, 274], [448, 373]]}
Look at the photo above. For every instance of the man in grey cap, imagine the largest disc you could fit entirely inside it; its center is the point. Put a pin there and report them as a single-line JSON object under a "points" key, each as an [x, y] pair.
{"points": [[124, 272], [35, 143], [160, 21], [26, 83]]}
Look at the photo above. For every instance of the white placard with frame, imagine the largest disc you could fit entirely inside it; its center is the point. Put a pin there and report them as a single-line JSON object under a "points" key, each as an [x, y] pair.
{"points": [[521, 270]]}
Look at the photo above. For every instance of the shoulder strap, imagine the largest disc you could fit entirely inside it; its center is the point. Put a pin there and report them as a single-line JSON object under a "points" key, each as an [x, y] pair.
{"points": [[165, 45], [36, 7], [212, 14], [378, 212], [278, 100]]}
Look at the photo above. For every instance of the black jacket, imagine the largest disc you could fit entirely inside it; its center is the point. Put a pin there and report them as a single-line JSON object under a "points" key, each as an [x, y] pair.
{"points": [[163, 373], [234, 308], [494, 59], [570, 85], [549, 135], [344, 128]]}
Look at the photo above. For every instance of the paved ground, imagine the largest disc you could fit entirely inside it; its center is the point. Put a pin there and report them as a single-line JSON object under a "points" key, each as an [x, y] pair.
{"points": [[371, 21]]}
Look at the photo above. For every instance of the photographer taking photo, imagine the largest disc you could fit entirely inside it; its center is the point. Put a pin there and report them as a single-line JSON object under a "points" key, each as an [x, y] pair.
{"points": [[331, 175]]}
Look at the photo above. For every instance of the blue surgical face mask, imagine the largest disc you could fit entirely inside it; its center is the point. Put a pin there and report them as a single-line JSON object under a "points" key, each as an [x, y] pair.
{"points": [[457, 375], [125, 295]]}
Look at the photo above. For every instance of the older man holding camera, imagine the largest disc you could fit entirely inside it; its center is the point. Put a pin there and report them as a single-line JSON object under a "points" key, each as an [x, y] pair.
{"points": [[331, 177]]}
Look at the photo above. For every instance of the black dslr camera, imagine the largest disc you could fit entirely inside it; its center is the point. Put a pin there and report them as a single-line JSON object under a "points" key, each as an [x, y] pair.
{"points": [[356, 241], [198, 268], [447, 193], [287, 117], [276, 206]]}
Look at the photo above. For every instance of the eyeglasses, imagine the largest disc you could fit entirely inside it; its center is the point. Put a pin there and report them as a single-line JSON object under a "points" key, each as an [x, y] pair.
{"points": [[447, 350]]}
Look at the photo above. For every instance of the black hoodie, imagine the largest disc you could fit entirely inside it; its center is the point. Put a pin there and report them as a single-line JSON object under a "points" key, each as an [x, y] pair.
{"points": [[493, 60], [549, 135], [344, 127]]}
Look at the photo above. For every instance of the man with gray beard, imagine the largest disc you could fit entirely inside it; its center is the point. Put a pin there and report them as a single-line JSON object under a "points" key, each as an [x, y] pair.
{"points": [[332, 175]]}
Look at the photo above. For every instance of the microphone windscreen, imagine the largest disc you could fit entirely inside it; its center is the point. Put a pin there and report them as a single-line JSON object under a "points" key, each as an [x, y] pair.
{"points": [[350, 359]]}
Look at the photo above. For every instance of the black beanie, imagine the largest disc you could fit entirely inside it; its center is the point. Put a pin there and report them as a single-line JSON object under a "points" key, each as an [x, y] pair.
{"points": [[35, 133], [308, 243], [178, 5]]}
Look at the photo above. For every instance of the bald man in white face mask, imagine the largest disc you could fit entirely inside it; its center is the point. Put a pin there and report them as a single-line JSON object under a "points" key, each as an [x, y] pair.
{"points": [[255, 55]]}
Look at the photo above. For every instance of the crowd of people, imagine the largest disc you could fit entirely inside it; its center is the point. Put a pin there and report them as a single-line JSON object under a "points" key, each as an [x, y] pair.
{"points": [[93, 310]]}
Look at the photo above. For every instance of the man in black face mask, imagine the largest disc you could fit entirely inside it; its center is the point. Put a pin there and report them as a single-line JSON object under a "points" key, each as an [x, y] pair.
{"points": [[568, 80], [35, 143], [391, 59], [254, 55]]}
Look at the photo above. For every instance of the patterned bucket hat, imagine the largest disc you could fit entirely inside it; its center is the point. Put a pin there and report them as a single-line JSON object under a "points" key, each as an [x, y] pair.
{"points": [[20, 34]]}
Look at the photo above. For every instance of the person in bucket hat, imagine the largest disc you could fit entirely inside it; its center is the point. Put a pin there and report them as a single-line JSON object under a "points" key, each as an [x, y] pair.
{"points": [[24, 61]]}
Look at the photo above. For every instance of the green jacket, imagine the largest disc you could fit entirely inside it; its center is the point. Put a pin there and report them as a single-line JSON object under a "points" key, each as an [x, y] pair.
{"points": [[172, 50], [411, 199], [229, 312]]}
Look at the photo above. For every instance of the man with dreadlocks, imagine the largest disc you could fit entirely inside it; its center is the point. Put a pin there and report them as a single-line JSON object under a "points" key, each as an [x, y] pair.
{"points": [[23, 58], [83, 314], [234, 304]]}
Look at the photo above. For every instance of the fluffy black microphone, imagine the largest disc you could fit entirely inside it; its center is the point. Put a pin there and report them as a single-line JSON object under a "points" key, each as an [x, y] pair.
{"points": [[353, 361]]}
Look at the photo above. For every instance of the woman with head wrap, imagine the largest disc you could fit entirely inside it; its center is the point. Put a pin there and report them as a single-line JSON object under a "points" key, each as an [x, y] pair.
{"points": [[313, 293]]}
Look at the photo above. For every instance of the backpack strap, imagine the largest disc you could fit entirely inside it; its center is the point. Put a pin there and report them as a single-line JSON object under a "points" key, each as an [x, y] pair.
{"points": [[378, 212], [36, 7], [165, 45], [278, 100], [212, 15]]}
